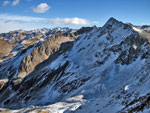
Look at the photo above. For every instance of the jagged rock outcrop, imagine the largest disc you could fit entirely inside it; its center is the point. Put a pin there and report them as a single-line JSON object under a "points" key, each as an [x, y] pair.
{"points": [[83, 30]]}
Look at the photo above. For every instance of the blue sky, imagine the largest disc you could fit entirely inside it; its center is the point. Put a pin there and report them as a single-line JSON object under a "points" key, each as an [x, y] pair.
{"points": [[33, 14]]}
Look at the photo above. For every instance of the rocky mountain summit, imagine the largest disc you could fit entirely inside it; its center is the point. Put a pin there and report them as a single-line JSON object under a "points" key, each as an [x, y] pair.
{"points": [[93, 70]]}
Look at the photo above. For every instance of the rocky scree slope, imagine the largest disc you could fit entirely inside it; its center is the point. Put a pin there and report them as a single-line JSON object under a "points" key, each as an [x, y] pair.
{"points": [[108, 67]]}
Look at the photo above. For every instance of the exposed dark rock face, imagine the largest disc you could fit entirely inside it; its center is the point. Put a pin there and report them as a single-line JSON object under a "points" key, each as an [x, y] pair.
{"points": [[133, 49], [137, 105], [83, 30]]}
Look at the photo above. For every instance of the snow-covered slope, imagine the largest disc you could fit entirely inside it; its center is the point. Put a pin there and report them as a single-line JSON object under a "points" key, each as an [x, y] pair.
{"points": [[146, 28], [104, 70]]}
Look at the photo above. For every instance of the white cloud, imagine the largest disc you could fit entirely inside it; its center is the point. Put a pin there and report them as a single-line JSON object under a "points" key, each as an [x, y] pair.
{"points": [[41, 8], [145, 23], [56, 21], [13, 22], [5, 3], [11, 26], [9, 18], [6, 27], [70, 21], [15, 2]]}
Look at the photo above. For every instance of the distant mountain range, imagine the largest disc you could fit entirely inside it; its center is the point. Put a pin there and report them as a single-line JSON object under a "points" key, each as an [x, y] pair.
{"points": [[88, 70]]}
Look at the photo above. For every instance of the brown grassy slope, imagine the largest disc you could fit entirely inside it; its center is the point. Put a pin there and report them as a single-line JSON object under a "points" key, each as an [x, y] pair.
{"points": [[5, 48]]}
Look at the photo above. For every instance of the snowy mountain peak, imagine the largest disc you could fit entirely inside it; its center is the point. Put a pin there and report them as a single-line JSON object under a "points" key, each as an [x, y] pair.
{"points": [[112, 21]]}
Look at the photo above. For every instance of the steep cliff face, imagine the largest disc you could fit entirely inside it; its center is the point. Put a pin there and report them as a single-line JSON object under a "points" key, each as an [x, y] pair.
{"points": [[105, 69]]}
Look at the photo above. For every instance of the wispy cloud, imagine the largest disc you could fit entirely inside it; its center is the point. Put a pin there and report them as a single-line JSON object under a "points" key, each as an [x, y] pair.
{"points": [[5, 3], [13, 22], [70, 21], [15, 18], [145, 23], [15, 2], [6, 27], [41, 8], [56, 21]]}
